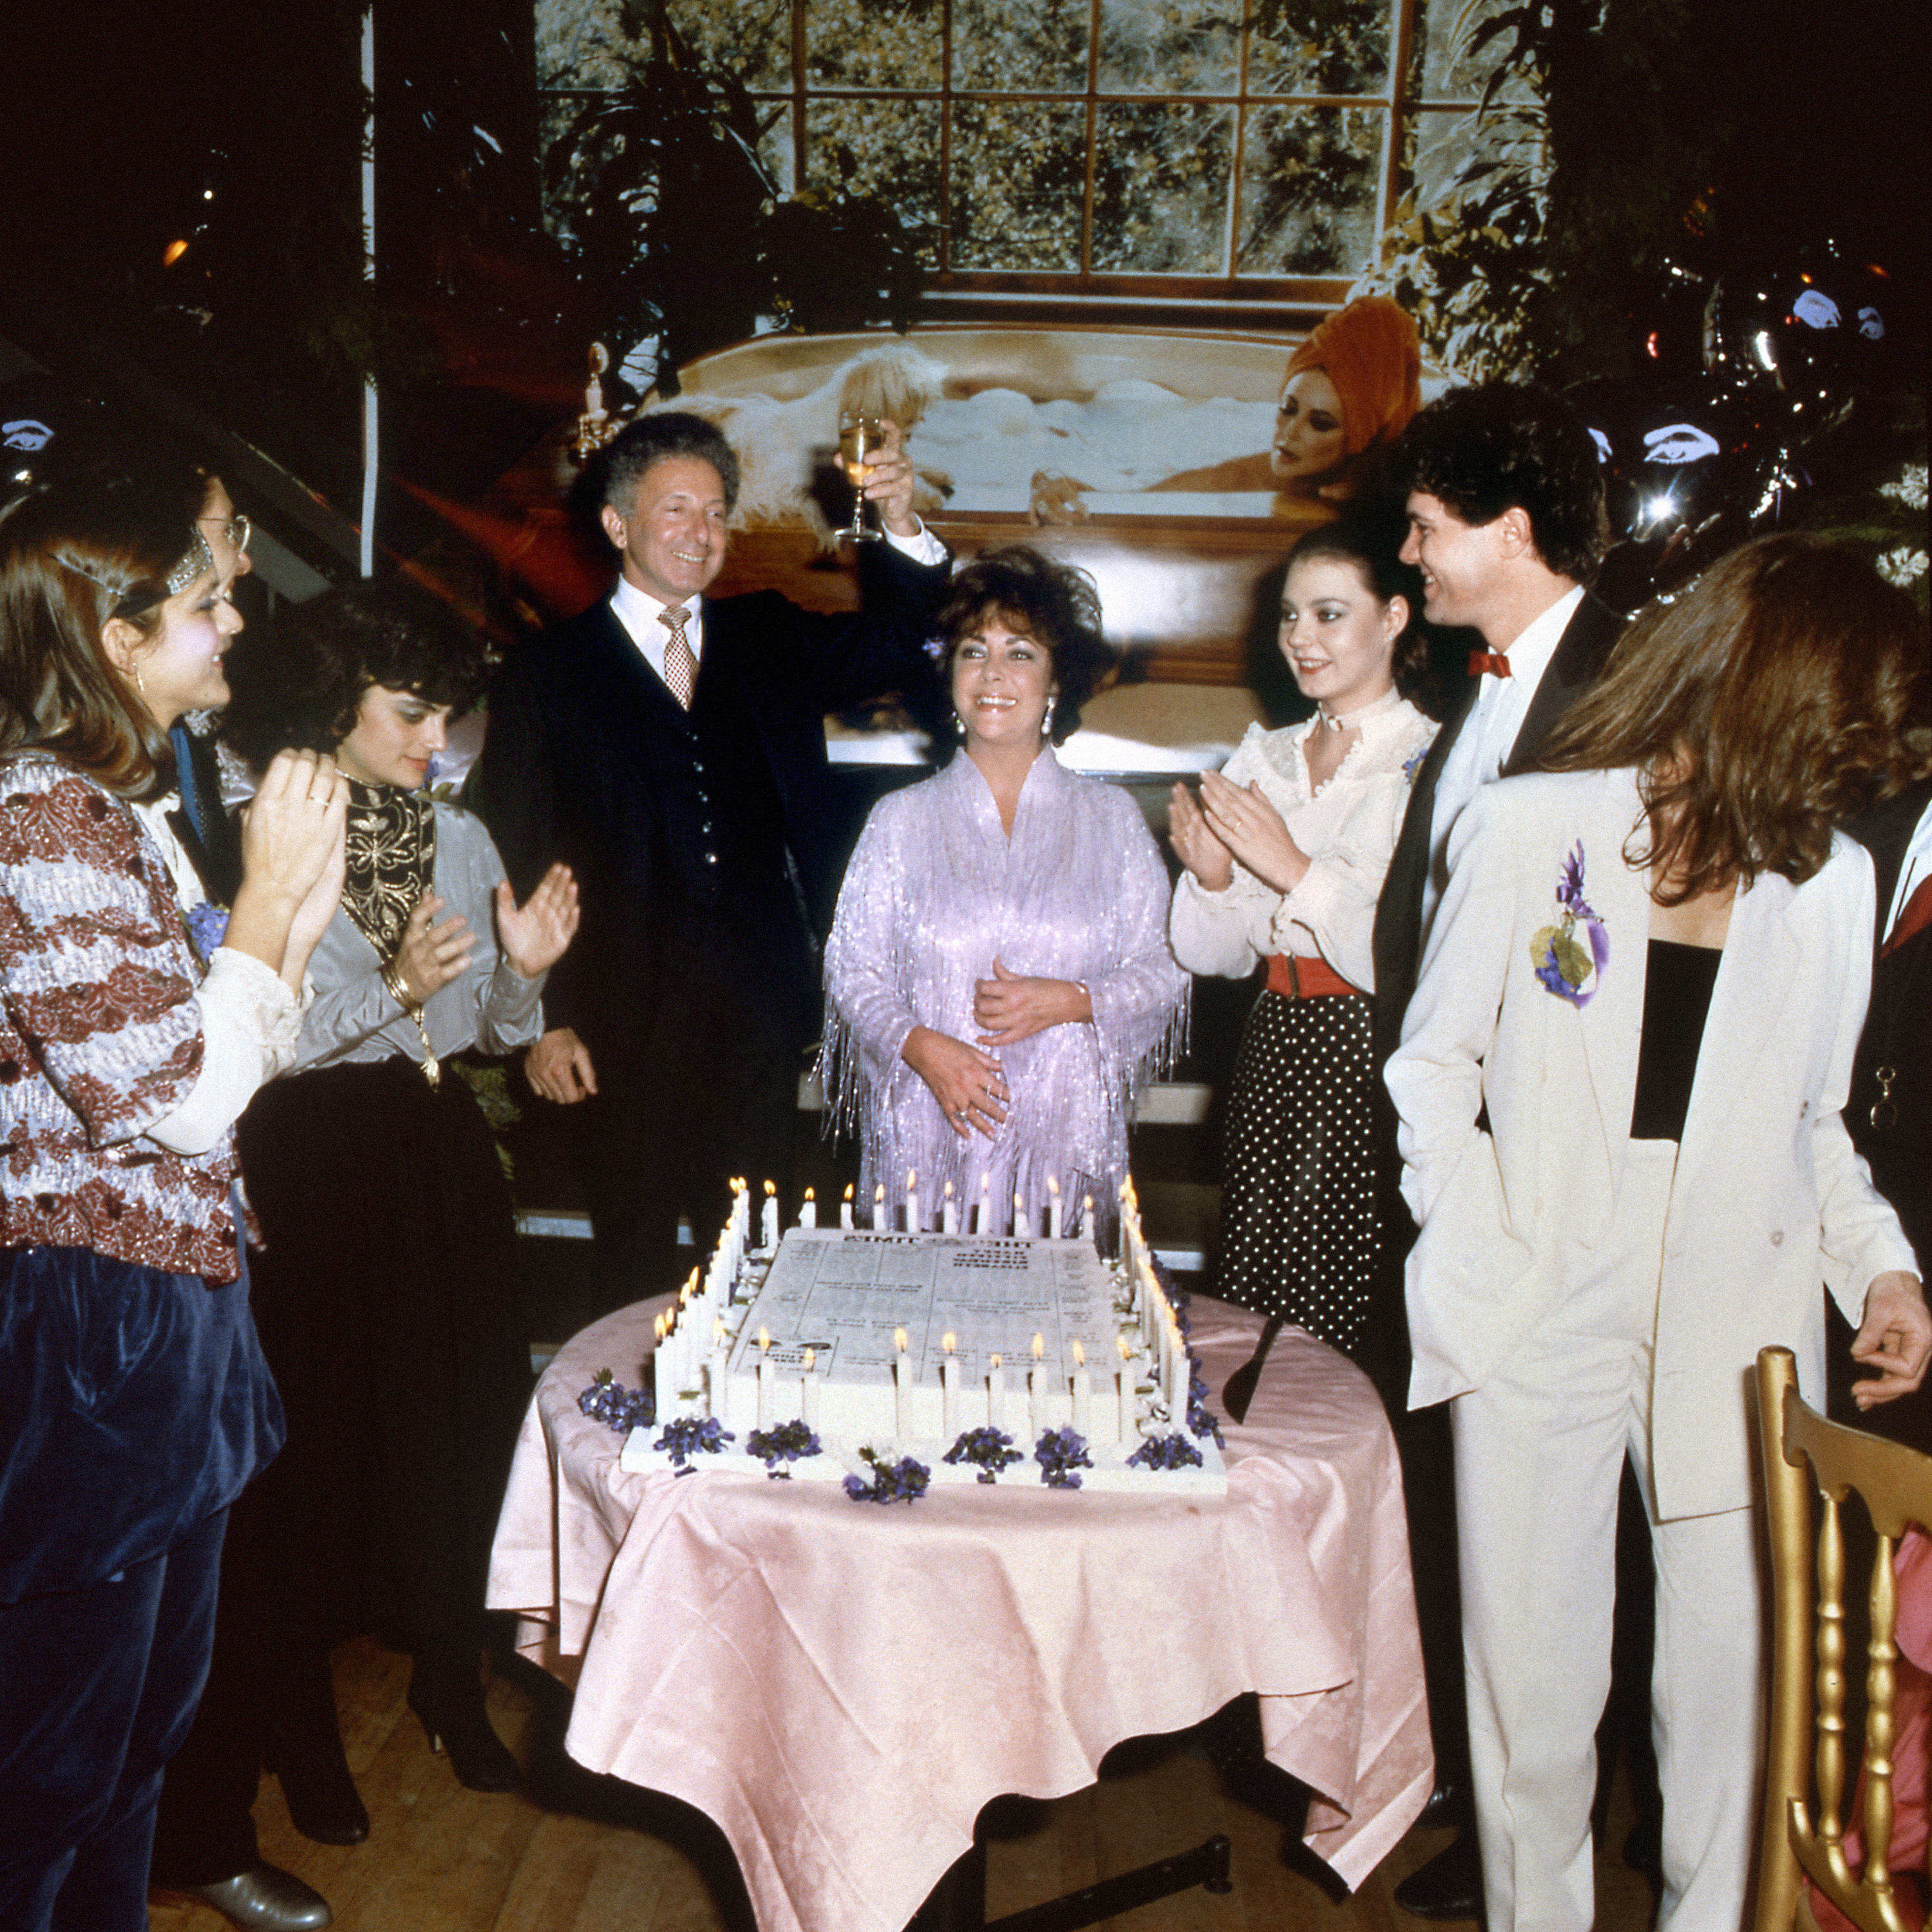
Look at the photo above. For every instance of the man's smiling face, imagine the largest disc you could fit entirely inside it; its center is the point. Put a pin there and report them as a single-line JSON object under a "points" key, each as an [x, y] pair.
{"points": [[673, 537]]}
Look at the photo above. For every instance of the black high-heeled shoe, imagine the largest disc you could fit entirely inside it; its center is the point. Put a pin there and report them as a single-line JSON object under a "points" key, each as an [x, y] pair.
{"points": [[446, 1694]]}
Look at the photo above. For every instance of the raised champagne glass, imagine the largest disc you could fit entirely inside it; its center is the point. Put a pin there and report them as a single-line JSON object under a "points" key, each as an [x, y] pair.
{"points": [[859, 435]]}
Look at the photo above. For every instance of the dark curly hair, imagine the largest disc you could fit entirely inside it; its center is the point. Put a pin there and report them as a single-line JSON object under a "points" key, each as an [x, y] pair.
{"points": [[1771, 702], [1054, 604], [653, 438], [300, 685], [1371, 547], [1513, 445]]}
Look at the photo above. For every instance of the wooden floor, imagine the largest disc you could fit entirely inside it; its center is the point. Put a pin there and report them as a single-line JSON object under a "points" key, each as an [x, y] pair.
{"points": [[582, 1854]]}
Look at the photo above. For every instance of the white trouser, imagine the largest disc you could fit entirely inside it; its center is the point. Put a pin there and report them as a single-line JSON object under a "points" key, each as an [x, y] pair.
{"points": [[1540, 1450]]}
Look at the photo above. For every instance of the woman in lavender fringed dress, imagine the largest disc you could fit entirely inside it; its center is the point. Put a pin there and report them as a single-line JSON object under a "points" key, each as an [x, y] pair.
{"points": [[998, 980]]}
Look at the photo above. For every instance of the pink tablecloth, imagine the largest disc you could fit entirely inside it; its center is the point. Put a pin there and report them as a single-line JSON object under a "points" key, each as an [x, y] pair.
{"points": [[842, 1686]]}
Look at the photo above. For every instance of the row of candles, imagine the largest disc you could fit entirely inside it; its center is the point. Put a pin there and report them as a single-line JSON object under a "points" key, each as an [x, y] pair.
{"points": [[687, 1358], [956, 1220]]}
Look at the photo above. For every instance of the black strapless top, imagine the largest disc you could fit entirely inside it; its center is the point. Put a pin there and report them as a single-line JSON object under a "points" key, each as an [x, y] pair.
{"points": [[1676, 1004]]}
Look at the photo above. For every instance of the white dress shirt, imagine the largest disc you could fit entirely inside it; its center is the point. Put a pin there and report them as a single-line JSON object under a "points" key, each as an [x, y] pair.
{"points": [[1488, 735], [642, 615]]}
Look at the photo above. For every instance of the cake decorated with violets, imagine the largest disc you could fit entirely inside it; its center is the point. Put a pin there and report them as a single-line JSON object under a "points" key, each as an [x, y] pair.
{"points": [[891, 1361]]}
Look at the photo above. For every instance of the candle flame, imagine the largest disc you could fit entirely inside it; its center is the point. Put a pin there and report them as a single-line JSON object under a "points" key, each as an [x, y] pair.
{"points": [[848, 1190], [658, 1328], [995, 1360], [1086, 1203], [1120, 1343], [1053, 1187], [1040, 1347], [1079, 1356], [764, 1337], [879, 1192], [809, 1196], [718, 1331], [948, 1341], [771, 1187], [912, 1178], [899, 1339], [811, 1360], [949, 1190]]}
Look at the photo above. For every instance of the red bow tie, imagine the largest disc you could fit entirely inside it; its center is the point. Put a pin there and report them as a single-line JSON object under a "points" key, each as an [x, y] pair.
{"points": [[1494, 662]]}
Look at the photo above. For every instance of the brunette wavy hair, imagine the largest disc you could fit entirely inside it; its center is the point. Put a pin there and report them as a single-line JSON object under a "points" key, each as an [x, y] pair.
{"points": [[299, 684], [1054, 603], [1775, 700], [1373, 552], [73, 554]]}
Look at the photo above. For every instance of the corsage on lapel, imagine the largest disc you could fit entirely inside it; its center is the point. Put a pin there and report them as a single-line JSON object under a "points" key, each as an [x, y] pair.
{"points": [[207, 926], [1565, 965]]}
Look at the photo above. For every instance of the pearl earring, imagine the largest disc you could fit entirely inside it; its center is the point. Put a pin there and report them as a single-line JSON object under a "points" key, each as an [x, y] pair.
{"points": [[1046, 723], [958, 725]]}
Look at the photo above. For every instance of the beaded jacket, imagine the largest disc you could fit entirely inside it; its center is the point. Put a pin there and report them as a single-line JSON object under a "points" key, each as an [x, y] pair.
{"points": [[101, 1035], [935, 892]]}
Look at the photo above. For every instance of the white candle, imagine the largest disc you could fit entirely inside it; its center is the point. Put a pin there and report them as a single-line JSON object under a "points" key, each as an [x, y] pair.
{"points": [[879, 1209], [1124, 1392], [765, 1391], [1022, 1220], [662, 1380], [845, 1209], [1036, 1385], [985, 1226], [769, 1230], [1083, 1393], [949, 1213], [808, 1393], [807, 1211], [902, 1387], [1052, 1209], [1086, 1218], [913, 1224], [948, 1390], [1176, 1375], [996, 1393], [715, 1372]]}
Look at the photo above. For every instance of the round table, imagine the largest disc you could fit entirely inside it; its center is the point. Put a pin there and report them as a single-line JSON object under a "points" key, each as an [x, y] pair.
{"points": [[841, 1686]]}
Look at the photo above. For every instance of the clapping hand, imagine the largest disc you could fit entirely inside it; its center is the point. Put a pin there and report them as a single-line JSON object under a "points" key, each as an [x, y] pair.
{"points": [[1195, 845], [1242, 820], [430, 956], [535, 936]]}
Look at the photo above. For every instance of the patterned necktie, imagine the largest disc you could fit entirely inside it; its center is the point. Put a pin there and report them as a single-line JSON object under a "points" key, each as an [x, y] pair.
{"points": [[1914, 917], [680, 662]]}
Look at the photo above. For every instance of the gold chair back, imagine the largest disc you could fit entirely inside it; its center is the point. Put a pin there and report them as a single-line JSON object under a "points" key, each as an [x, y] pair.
{"points": [[1807, 1745]]}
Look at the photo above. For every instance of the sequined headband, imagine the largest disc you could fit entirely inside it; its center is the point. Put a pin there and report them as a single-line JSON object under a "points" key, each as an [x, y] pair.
{"points": [[197, 559]]}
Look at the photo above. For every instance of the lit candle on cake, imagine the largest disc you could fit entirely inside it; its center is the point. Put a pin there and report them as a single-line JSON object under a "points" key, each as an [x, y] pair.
{"points": [[912, 1223], [1022, 1220], [1086, 1217], [1036, 1385], [996, 1391], [1052, 1208], [902, 1387], [1124, 1391], [1083, 1393], [949, 1212], [765, 1372], [948, 1388], [770, 1229], [985, 1226], [808, 1390], [807, 1211], [879, 1209], [845, 1209], [715, 1377], [661, 1377], [1176, 1374]]}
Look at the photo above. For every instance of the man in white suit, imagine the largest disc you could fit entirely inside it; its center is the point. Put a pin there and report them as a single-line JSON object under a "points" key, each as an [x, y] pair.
{"points": [[1507, 525], [1620, 1086]]}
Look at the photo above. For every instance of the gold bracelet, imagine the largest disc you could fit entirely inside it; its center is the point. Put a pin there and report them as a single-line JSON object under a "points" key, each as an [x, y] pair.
{"points": [[399, 992]]}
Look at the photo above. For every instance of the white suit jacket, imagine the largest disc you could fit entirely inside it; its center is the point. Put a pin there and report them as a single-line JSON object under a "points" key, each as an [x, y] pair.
{"points": [[1768, 1199]]}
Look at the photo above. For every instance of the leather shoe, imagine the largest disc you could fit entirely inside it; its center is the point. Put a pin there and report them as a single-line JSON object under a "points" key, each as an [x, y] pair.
{"points": [[1447, 1805], [264, 1898], [1449, 1886], [446, 1694]]}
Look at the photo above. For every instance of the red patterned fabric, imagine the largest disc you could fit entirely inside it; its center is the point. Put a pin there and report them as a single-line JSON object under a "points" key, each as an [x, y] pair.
{"points": [[100, 1035]]}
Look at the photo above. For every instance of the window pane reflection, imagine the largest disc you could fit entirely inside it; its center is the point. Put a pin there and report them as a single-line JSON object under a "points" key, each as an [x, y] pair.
{"points": [[1169, 46], [1319, 47], [1036, 46], [1018, 170], [1308, 189], [1161, 177]]}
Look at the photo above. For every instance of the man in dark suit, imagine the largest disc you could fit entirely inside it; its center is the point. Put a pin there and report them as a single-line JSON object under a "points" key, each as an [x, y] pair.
{"points": [[1507, 525], [1890, 1111], [670, 749]]}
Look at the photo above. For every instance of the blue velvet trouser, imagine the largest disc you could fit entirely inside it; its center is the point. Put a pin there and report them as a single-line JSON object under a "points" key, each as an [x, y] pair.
{"points": [[98, 1688]]}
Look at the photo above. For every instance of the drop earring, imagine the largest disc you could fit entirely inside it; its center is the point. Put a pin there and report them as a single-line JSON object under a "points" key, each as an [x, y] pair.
{"points": [[959, 727], [1046, 723]]}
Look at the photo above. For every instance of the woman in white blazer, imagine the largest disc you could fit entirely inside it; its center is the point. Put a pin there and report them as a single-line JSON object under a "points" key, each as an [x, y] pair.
{"points": [[1619, 1083]]}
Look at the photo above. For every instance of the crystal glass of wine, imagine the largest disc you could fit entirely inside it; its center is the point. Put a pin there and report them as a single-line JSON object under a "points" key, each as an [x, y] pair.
{"points": [[859, 435]]}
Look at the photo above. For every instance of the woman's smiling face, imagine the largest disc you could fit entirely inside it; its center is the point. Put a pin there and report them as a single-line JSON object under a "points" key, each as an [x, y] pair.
{"points": [[1002, 678]]}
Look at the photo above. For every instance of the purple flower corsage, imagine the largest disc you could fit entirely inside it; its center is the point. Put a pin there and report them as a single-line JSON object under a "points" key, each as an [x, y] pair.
{"points": [[207, 927], [1569, 956]]}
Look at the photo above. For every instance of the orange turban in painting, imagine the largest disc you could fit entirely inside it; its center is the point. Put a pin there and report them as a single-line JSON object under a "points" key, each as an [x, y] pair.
{"points": [[1371, 354]]}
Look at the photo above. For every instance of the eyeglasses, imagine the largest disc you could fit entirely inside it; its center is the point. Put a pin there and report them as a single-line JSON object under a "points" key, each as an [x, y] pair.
{"points": [[237, 530]]}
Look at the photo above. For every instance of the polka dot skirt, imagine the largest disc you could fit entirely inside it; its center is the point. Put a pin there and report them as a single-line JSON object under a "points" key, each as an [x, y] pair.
{"points": [[1299, 1232]]}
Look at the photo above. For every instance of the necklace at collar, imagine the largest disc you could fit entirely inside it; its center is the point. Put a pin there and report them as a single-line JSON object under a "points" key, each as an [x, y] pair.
{"points": [[1353, 721]]}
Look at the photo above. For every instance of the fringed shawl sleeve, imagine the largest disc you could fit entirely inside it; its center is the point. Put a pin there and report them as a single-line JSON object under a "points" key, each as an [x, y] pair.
{"points": [[935, 892]]}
